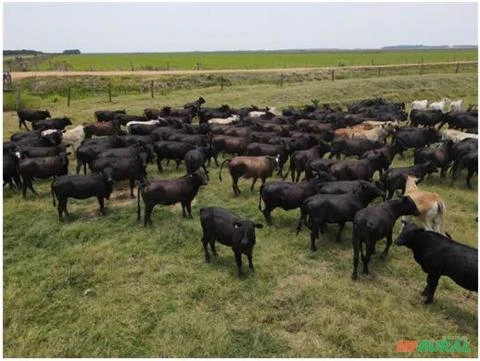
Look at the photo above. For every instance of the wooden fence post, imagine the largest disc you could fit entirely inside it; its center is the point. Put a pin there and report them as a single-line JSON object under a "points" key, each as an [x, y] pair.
{"points": [[131, 66], [333, 74], [378, 71], [151, 88], [69, 93], [456, 69], [221, 82], [281, 79], [110, 92]]}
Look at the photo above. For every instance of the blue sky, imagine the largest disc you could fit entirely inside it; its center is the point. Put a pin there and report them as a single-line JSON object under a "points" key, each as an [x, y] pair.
{"points": [[164, 27]]}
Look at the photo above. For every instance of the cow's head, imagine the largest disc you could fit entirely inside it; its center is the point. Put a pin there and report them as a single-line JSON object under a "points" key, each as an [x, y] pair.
{"points": [[200, 177], [409, 232], [244, 233], [108, 176]]}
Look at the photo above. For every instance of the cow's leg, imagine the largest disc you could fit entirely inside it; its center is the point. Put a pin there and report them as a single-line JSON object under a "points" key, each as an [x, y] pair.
{"points": [[299, 172], [368, 254], [148, 214], [313, 236], [30, 185], [238, 259], [183, 210], [188, 205], [356, 251], [212, 247], [204, 243], [159, 164], [236, 190], [60, 208], [432, 282], [79, 166], [24, 188], [253, 183], [205, 170], [85, 168], [471, 171], [266, 213], [101, 204], [178, 161], [387, 247], [250, 261], [132, 185], [341, 226]]}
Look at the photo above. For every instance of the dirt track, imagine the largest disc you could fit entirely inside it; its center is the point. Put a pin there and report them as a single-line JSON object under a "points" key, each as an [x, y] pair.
{"points": [[22, 75]]}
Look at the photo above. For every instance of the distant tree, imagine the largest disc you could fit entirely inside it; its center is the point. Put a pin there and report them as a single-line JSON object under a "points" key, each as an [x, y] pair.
{"points": [[71, 51]]}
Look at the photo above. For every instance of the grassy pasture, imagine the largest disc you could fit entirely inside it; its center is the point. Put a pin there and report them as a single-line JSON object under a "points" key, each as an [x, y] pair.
{"points": [[152, 294], [248, 60]]}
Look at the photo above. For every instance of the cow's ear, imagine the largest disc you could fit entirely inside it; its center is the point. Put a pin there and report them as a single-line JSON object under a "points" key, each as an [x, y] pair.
{"points": [[258, 225], [236, 225]]}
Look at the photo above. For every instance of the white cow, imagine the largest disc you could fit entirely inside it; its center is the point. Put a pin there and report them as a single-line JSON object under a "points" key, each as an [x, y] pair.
{"points": [[456, 135], [419, 104], [456, 106], [231, 119], [257, 113], [150, 122], [441, 105], [73, 136]]}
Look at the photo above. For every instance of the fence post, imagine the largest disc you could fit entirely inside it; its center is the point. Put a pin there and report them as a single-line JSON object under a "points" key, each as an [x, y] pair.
{"points": [[68, 96], [151, 88], [110, 92], [17, 99], [221, 82], [333, 74], [378, 71], [131, 66], [168, 65], [281, 79], [456, 69]]}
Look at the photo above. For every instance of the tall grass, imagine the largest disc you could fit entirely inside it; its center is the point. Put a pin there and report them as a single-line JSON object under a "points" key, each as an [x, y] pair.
{"points": [[105, 286], [248, 60]]}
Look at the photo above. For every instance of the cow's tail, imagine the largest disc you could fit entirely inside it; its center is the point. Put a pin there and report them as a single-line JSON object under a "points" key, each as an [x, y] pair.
{"points": [[260, 198], [221, 166], [53, 194], [438, 220]]}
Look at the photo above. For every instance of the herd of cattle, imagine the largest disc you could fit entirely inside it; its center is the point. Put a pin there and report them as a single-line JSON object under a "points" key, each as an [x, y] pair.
{"points": [[261, 142]]}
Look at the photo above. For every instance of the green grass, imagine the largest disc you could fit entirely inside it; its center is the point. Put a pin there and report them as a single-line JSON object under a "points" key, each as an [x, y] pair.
{"points": [[152, 294], [247, 60]]}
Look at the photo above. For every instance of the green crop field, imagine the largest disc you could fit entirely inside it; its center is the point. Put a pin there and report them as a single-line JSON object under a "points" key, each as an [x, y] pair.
{"points": [[105, 286], [247, 60]]}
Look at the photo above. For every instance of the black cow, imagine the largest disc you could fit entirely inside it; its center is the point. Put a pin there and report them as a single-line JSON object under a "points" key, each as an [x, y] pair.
{"points": [[53, 123], [10, 169], [352, 146], [374, 223], [428, 118], [37, 152], [31, 116], [461, 120], [395, 178], [44, 167], [349, 169], [439, 156], [300, 159], [196, 158], [107, 115], [170, 191], [440, 256], [171, 150], [288, 195], [412, 137], [131, 168], [220, 225], [467, 160], [81, 187], [321, 209]]}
